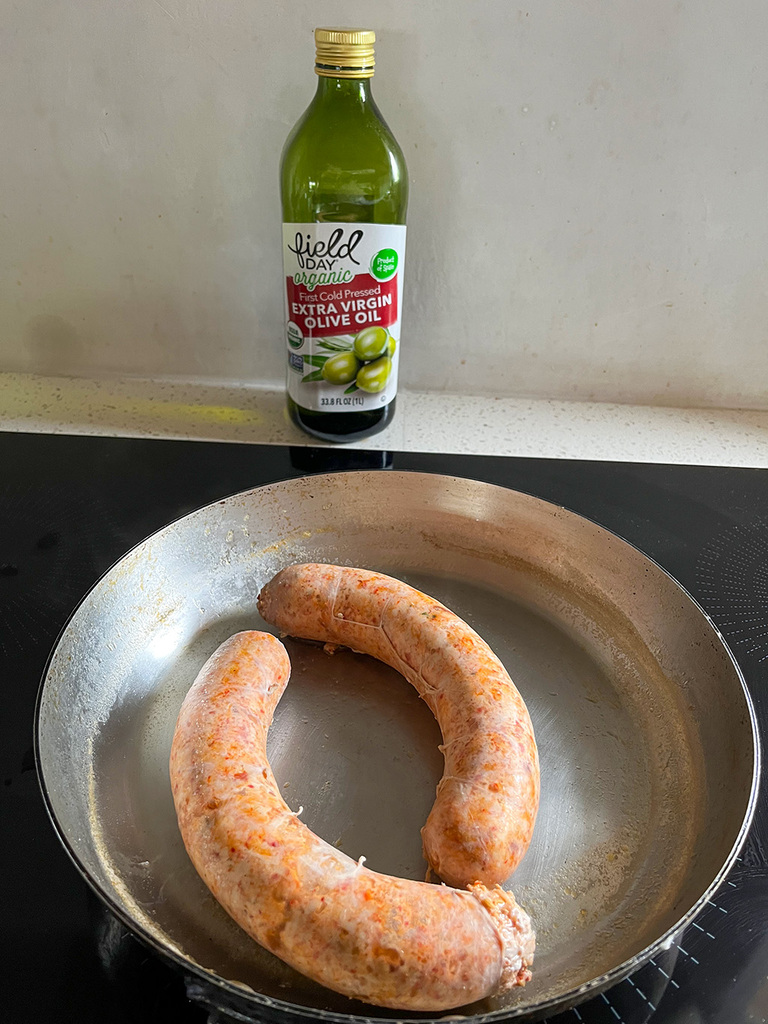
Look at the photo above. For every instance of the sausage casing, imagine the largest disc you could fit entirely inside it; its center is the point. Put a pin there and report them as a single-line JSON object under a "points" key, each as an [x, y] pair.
{"points": [[389, 941], [482, 820]]}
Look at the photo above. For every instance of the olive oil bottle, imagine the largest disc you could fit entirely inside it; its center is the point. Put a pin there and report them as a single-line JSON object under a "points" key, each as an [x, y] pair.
{"points": [[344, 192]]}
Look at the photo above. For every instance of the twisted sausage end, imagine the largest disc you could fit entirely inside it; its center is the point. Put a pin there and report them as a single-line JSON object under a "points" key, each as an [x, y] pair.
{"points": [[515, 933]]}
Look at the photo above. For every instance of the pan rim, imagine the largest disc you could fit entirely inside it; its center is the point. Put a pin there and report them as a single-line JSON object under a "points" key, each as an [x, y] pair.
{"points": [[240, 992]]}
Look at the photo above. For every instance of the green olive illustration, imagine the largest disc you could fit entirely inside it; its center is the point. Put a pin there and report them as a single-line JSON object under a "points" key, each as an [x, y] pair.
{"points": [[341, 369], [373, 376], [370, 343], [391, 346]]}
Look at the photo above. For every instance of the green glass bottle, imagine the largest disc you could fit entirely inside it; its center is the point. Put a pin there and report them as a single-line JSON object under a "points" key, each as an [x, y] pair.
{"points": [[344, 192]]}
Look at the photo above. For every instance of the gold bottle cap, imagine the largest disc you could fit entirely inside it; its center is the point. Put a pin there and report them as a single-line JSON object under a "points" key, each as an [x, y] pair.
{"points": [[344, 52]]}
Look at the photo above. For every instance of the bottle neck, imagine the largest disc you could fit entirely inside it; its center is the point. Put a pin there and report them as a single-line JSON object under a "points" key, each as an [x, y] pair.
{"points": [[352, 91]]}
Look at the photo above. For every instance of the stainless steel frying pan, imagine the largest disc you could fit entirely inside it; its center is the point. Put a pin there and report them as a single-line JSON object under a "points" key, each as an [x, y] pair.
{"points": [[647, 738]]}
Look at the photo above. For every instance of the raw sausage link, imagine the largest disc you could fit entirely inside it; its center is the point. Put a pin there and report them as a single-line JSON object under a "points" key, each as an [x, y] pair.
{"points": [[482, 821], [388, 941]]}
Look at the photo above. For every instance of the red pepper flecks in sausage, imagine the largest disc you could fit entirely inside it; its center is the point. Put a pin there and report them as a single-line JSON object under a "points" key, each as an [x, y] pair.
{"points": [[389, 941], [482, 821]]}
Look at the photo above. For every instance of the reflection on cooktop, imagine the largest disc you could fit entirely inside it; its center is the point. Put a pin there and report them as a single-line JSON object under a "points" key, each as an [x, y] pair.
{"points": [[732, 575]]}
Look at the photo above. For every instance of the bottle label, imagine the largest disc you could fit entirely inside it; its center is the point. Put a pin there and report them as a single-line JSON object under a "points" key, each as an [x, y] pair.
{"points": [[343, 301]]}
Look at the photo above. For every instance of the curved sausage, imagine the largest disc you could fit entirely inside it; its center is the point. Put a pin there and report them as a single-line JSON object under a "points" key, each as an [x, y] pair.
{"points": [[482, 820], [389, 941]]}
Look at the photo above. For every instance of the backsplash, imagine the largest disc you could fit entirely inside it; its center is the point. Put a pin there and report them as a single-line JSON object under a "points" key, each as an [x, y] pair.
{"points": [[587, 218]]}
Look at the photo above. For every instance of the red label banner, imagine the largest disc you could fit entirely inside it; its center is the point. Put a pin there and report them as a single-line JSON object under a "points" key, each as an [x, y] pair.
{"points": [[342, 308]]}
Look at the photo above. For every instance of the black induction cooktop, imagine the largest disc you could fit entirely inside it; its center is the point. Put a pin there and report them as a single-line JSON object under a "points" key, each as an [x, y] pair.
{"points": [[71, 506]]}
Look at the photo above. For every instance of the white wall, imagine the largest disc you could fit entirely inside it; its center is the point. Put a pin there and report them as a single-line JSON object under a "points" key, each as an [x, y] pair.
{"points": [[588, 215]]}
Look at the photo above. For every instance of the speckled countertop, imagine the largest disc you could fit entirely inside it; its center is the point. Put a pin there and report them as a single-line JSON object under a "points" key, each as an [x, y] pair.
{"points": [[131, 407]]}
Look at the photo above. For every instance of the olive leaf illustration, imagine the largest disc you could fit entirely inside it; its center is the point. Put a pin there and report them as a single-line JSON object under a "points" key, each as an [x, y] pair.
{"points": [[335, 344], [310, 377]]}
